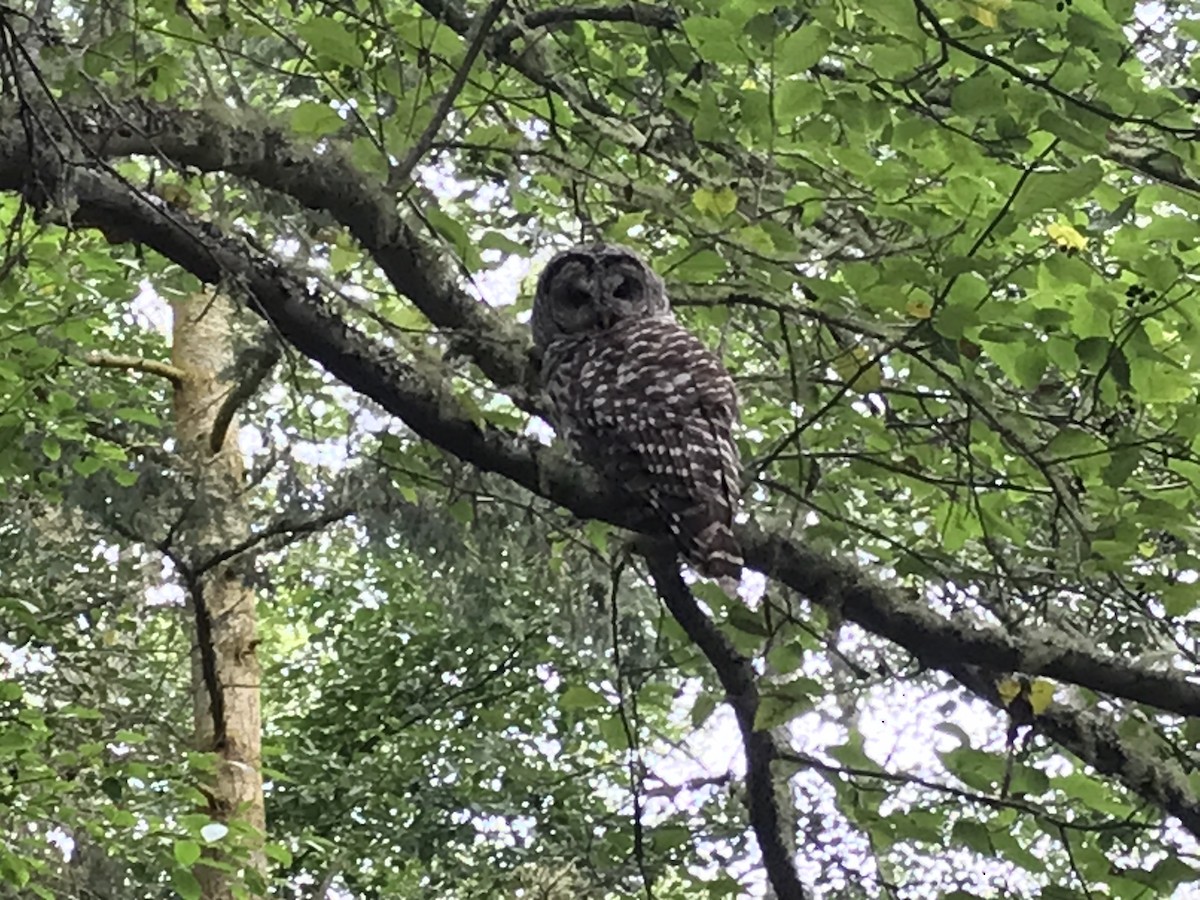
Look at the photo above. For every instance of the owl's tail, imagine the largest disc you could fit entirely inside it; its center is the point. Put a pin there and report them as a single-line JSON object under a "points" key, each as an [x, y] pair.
{"points": [[703, 534], [715, 552]]}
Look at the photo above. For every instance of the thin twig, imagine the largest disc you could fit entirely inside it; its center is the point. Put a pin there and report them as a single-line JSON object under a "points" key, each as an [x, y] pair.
{"points": [[477, 37]]}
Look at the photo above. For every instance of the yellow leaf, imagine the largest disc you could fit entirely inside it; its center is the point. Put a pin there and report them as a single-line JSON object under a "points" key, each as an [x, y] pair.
{"points": [[725, 201], [919, 308], [1041, 693], [1038, 693], [175, 194], [984, 16], [1066, 236], [857, 362], [718, 203], [985, 12], [1009, 690]]}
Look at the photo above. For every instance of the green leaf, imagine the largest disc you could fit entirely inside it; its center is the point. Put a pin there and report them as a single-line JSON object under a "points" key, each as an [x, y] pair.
{"points": [[330, 38], [716, 39], [708, 125], [125, 477], [1171, 872], [1053, 190], [185, 884], [718, 203], [140, 416], [900, 19], [316, 119], [1122, 464], [87, 465], [579, 696], [802, 49], [978, 96], [186, 852], [1180, 599], [1062, 127], [113, 788], [703, 707], [597, 533], [700, 267], [972, 835], [279, 853], [1030, 366], [795, 99], [981, 771], [670, 837], [1094, 10], [755, 107], [852, 754], [12, 740], [612, 730], [780, 704]]}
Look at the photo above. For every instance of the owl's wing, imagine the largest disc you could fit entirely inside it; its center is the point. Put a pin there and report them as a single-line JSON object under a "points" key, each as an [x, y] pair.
{"points": [[658, 410]]}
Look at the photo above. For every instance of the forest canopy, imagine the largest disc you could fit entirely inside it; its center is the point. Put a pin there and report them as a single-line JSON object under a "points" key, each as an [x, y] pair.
{"points": [[299, 597]]}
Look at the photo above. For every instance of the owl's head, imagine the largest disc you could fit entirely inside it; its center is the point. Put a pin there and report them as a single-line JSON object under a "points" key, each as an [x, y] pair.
{"points": [[592, 287]]}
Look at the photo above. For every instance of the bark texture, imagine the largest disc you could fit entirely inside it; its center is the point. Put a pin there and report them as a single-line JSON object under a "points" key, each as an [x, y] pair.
{"points": [[226, 676]]}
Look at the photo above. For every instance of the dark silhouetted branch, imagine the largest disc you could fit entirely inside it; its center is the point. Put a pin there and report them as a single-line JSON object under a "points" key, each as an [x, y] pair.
{"points": [[737, 677]]}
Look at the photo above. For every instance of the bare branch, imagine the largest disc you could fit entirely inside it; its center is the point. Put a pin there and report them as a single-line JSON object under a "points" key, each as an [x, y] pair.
{"points": [[277, 534], [137, 364], [942, 643]]}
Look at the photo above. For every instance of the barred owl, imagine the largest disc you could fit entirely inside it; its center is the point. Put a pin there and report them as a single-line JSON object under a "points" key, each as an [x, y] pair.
{"points": [[639, 398]]}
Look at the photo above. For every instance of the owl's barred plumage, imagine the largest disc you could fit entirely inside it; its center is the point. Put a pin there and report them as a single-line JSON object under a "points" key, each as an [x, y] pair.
{"points": [[641, 399]]}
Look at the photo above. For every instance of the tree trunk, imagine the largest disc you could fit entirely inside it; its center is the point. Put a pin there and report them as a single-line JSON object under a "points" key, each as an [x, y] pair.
{"points": [[226, 676]]}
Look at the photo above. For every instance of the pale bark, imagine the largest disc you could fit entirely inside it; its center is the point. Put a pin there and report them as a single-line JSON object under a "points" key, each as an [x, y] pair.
{"points": [[224, 639]]}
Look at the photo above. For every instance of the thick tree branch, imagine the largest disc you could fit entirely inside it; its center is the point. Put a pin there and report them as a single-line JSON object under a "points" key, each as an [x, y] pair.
{"points": [[941, 643], [267, 155]]}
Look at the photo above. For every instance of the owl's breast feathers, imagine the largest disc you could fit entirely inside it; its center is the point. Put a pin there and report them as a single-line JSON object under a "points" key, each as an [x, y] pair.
{"points": [[652, 408]]}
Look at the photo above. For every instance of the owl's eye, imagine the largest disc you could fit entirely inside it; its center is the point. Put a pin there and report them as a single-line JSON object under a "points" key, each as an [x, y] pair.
{"points": [[625, 289], [576, 296]]}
